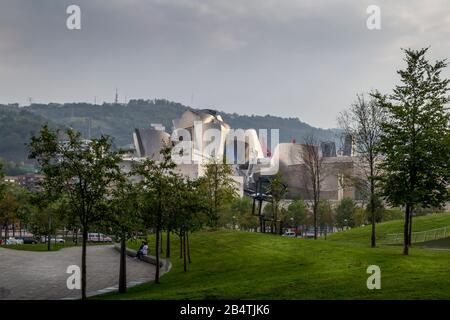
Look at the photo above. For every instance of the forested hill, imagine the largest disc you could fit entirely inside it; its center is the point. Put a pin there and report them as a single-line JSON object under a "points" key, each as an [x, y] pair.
{"points": [[119, 121], [17, 125]]}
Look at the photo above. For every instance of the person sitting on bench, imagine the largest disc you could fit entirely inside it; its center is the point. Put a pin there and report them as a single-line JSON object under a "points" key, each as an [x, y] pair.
{"points": [[143, 250]]}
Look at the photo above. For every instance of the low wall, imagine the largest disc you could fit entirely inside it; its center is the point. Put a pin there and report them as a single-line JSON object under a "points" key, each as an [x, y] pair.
{"points": [[164, 264]]}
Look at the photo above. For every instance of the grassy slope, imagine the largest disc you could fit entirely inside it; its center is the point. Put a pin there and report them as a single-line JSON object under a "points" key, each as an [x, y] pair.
{"points": [[362, 235], [238, 265]]}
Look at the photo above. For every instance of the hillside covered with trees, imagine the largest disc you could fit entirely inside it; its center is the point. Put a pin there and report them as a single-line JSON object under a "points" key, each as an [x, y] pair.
{"points": [[119, 121], [17, 126]]}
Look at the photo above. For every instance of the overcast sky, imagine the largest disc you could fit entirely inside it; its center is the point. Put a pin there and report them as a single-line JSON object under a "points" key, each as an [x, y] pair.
{"points": [[296, 58]]}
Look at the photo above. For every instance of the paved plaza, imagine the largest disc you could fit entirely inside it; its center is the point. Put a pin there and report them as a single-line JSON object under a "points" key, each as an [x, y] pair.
{"points": [[42, 275]]}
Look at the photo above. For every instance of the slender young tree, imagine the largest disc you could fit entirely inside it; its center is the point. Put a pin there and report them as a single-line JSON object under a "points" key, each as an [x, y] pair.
{"points": [[277, 191], [125, 220], [415, 139], [156, 198], [363, 122], [314, 174], [297, 212], [8, 210], [219, 188], [83, 171], [189, 218]]}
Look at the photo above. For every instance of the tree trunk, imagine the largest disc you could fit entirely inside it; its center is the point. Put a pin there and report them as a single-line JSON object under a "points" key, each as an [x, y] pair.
{"points": [[410, 227], [315, 220], [161, 244], [184, 252], [168, 244], [372, 209], [83, 264], [157, 253], [181, 246], [188, 247], [49, 240], [123, 266], [406, 231]]}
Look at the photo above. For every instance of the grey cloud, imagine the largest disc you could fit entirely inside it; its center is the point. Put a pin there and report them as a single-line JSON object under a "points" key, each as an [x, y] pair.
{"points": [[285, 57]]}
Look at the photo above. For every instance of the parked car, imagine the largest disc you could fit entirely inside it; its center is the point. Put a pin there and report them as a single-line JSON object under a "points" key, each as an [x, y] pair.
{"points": [[52, 240], [289, 234], [28, 240], [98, 237], [12, 240]]}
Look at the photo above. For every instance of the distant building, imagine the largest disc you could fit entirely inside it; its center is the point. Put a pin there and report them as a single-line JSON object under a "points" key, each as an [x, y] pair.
{"points": [[328, 149], [347, 149], [248, 154], [29, 181]]}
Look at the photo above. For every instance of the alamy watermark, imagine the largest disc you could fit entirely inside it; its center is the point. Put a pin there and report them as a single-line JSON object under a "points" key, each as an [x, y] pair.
{"points": [[74, 280], [374, 280], [235, 146], [373, 22], [73, 21]]}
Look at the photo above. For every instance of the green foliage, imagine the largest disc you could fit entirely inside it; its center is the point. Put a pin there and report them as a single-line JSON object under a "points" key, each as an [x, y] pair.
{"points": [[392, 214], [17, 126], [123, 206], [119, 120], [378, 209], [359, 217], [415, 140], [416, 136], [345, 213], [83, 172], [156, 195], [8, 209], [297, 213], [241, 210], [325, 215], [219, 190]]}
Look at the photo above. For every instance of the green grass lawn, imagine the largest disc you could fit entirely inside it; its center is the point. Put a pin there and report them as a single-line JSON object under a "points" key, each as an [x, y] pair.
{"points": [[239, 265], [362, 235]]}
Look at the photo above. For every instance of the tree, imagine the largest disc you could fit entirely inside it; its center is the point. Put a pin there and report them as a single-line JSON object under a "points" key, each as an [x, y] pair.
{"points": [[2, 184], [83, 171], [345, 213], [277, 190], [375, 210], [241, 209], [363, 122], [314, 174], [219, 189], [46, 216], [189, 217], [156, 195], [325, 216], [125, 220], [8, 210], [297, 212], [415, 140]]}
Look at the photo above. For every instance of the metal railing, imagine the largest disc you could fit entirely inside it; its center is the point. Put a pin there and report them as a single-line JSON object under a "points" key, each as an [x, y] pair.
{"points": [[420, 236]]}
